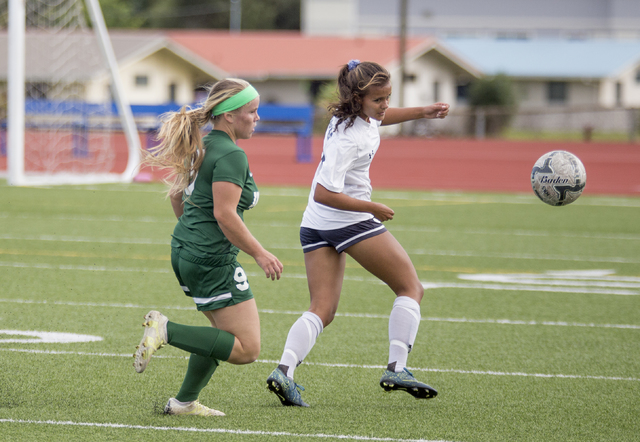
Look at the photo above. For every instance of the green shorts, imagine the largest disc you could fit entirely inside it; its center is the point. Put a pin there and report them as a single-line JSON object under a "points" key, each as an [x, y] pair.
{"points": [[212, 283]]}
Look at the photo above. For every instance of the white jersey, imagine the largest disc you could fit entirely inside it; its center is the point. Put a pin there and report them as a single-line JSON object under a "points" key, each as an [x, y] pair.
{"points": [[344, 168]]}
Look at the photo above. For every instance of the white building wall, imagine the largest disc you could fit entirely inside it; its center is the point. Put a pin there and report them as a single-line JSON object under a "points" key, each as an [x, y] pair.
{"points": [[162, 69], [533, 94], [429, 69], [97, 90], [630, 80], [607, 95], [536, 94], [157, 89], [583, 93], [329, 17]]}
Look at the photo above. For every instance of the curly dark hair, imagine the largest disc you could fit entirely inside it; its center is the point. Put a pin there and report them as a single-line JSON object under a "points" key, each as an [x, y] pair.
{"points": [[353, 85]]}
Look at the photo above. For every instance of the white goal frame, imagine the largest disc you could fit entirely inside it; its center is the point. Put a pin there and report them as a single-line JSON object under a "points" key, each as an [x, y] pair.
{"points": [[16, 105]]}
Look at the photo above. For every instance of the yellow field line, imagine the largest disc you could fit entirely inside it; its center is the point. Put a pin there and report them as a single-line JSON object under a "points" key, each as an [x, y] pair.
{"points": [[243, 260], [73, 254]]}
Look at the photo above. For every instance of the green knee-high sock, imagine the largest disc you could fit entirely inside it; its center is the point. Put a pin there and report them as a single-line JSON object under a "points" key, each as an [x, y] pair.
{"points": [[204, 341], [198, 374]]}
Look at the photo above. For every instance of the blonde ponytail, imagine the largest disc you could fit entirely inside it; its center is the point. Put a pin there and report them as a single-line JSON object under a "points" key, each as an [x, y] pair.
{"points": [[181, 149]]}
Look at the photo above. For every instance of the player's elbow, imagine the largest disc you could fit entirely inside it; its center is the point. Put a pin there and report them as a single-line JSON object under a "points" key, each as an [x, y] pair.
{"points": [[322, 196], [225, 216]]}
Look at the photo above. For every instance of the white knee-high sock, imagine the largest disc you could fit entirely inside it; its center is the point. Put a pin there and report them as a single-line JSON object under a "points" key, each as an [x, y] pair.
{"points": [[404, 321], [302, 336]]}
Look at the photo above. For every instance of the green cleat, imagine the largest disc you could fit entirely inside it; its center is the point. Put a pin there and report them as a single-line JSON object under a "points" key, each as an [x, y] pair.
{"points": [[154, 338], [405, 381], [285, 389]]}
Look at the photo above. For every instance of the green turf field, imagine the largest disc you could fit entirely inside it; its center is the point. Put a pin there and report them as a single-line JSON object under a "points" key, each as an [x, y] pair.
{"points": [[530, 330]]}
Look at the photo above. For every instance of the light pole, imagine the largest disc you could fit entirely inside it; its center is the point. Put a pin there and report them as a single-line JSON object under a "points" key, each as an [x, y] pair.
{"points": [[235, 17], [402, 50]]}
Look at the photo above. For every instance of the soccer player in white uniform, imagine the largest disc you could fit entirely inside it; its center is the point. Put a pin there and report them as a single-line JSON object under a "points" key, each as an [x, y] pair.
{"points": [[340, 217]]}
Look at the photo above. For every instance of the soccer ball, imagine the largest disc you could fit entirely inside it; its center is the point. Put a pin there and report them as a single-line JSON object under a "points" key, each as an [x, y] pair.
{"points": [[558, 178]]}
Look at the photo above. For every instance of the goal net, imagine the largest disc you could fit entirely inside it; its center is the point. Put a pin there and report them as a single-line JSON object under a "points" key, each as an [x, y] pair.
{"points": [[64, 116]]}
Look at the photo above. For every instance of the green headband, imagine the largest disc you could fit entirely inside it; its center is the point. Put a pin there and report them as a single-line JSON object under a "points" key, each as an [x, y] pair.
{"points": [[238, 100]]}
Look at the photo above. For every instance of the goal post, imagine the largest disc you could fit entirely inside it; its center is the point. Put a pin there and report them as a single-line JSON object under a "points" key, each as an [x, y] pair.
{"points": [[15, 92], [58, 134], [122, 103]]}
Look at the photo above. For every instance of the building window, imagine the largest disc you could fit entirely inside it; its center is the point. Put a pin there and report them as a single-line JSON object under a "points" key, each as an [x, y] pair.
{"points": [[142, 80], [172, 92], [638, 76], [557, 92], [462, 93], [436, 91], [618, 94], [36, 90]]}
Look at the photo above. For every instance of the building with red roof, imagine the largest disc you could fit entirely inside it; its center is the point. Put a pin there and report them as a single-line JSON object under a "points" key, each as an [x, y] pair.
{"points": [[163, 66]]}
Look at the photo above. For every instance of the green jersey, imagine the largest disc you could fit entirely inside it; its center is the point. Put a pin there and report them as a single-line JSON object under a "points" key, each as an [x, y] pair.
{"points": [[197, 230]]}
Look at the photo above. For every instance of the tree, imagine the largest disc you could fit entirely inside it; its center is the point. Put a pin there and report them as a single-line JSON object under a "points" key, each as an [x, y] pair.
{"points": [[200, 14], [271, 14], [121, 12], [492, 91], [494, 98]]}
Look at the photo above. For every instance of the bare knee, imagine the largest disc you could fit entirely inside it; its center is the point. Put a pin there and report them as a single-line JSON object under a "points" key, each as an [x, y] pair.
{"points": [[326, 315], [244, 354], [414, 291], [419, 292], [251, 355]]}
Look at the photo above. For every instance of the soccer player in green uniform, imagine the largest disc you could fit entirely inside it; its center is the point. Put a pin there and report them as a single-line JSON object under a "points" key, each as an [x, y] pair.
{"points": [[211, 187]]}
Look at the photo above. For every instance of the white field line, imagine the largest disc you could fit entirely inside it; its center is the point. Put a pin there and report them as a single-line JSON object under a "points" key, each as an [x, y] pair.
{"points": [[91, 268], [602, 288], [454, 253], [442, 197], [342, 315], [510, 256], [553, 288], [532, 233], [527, 256], [92, 218], [607, 276], [530, 288], [392, 227], [520, 198], [44, 266], [279, 434], [85, 239], [359, 366]]}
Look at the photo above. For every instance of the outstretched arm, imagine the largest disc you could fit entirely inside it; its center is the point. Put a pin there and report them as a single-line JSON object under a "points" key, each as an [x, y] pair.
{"points": [[395, 115]]}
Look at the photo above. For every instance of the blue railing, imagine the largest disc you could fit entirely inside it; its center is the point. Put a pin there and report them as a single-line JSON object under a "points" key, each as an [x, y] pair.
{"points": [[274, 118]]}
